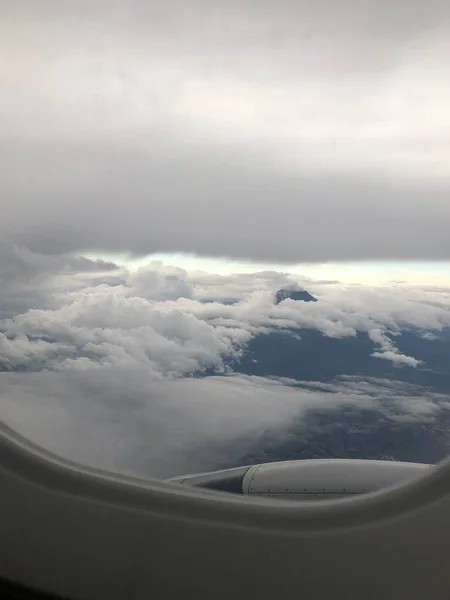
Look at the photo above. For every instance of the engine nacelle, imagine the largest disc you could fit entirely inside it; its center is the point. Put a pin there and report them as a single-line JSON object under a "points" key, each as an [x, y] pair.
{"points": [[315, 479]]}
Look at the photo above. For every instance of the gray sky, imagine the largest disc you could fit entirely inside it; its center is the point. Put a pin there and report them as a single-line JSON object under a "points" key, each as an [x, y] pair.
{"points": [[287, 131]]}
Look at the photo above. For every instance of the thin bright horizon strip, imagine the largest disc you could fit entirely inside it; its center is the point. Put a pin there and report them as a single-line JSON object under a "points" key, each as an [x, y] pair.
{"points": [[368, 273]]}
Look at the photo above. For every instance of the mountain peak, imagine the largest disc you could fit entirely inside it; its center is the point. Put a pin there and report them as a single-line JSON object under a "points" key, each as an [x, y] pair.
{"points": [[301, 295]]}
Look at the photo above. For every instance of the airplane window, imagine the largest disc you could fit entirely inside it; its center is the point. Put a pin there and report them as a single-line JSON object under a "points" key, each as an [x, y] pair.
{"points": [[224, 240]]}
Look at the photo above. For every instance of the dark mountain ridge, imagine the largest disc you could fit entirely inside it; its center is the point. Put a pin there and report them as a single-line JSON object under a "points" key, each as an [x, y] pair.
{"points": [[297, 295]]}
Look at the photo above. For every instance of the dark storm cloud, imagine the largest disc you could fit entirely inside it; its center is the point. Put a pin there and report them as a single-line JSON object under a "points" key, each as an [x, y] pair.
{"points": [[272, 131]]}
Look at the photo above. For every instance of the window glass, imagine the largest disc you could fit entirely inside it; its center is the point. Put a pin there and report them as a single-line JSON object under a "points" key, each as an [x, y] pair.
{"points": [[224, 231]]}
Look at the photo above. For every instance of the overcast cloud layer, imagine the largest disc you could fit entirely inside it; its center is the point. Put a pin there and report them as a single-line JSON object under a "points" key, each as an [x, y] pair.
{"points": [[102, 364], [280, 131]]}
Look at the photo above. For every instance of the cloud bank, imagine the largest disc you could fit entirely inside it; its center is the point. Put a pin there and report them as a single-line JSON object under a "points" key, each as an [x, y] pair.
{"points": [[177, 323], [130, 370], [124, 420]]}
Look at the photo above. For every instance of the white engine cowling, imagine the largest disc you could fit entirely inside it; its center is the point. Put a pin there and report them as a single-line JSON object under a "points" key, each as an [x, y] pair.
{"points": [[320, 479], [314, 479]]}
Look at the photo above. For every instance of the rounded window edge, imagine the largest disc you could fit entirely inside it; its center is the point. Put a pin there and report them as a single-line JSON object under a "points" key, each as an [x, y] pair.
{"points": [[24, 459]]}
